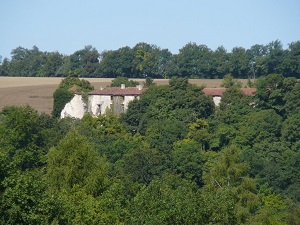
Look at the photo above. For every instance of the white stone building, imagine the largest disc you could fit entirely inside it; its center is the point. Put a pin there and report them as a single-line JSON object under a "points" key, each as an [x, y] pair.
{"points": [[117, 99], [97, 102]]}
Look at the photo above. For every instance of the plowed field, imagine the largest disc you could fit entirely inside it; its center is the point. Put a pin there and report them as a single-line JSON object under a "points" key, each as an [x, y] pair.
{"points": [[38, 91]]}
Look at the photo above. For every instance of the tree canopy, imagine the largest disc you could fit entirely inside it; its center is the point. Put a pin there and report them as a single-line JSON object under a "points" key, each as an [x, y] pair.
{"points": [[148, 60], [172, 158]]}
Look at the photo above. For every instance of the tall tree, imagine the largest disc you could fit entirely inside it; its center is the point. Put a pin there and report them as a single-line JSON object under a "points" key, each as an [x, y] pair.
{"points": [[239, 63], [75, 162], [194, 61], [54, 61], [220, 63], [84, 62], [275, 56]]}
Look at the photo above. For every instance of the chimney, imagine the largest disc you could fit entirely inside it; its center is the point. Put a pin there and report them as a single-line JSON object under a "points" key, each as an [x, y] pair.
{"points": [[122, 86], [101, 88], [139, 87]]}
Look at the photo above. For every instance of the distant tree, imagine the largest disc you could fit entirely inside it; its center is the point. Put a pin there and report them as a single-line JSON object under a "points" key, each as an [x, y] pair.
{"points": [[220, 63], [193, 61], [148, 82], [229, 81], [5, 68], [83, 63], [26, 62], [116, 63], [291, 61], [239, 63], [123, 80], [275, 56], [53, 62]]}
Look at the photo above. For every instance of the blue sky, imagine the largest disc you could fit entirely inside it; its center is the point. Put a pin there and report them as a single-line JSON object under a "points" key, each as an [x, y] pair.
{"points": [[68, 25]]}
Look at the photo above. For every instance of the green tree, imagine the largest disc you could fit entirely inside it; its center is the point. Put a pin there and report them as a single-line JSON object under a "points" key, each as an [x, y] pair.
{"points": [[142, 164], [20, 139], [193, 61], [75, 162], [220, 63], [123, 80], [167, 200], [271, 91], [84, 62], [239, 63], [275, 56], [26, 62], [229, 81], [161, 134], [178, 101], [151, 61], [54, 61], [61, 98], [187, 159], [226, 175], [291, 61], [116, 63], [26, 201]]}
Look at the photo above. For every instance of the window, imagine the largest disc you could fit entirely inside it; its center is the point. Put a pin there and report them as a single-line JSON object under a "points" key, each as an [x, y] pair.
{"points": [[99, 109]]}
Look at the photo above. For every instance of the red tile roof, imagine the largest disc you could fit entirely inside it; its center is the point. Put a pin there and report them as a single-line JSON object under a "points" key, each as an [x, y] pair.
{"points": [[219, 91], [117, 91], [214, 91]]}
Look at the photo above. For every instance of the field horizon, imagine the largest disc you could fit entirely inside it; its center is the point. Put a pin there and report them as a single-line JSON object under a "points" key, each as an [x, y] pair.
{"points": [[37, 92]]}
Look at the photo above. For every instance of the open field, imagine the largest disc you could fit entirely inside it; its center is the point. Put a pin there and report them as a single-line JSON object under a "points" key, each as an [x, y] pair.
{"points": [[37, 91]]}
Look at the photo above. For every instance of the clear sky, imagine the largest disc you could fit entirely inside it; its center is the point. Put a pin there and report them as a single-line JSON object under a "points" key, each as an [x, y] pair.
{"points": [[68, 25]]}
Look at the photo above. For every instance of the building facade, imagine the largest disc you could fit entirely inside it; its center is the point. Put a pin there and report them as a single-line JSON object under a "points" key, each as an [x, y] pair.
{"points": [[116, 99], [97, 102]]}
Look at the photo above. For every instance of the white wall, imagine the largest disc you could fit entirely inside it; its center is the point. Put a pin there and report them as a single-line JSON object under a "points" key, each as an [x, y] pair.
{"points": [[96, 100], [217, 100], [75, 108], [127, 99]]}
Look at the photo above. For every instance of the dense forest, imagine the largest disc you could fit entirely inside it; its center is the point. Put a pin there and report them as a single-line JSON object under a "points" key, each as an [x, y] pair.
{"points": [[172, 158], [146, 60]]}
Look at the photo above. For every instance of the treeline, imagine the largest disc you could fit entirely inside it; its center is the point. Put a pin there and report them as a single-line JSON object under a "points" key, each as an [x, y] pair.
{"points": [[172, 158], [146, 60]]}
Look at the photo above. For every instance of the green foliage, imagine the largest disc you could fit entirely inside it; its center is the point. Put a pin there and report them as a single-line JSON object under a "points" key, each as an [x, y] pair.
{"points": [[169, 200], [75, 162], [271, 92], [142, 164], [62, 95], [123, 80], [178, 101], [161, 134], [172, 159], [228, 82], [82, 85], [60, 98], [21, 139], [25, 200], [188, 159], [148, 82], [148, 60]]}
